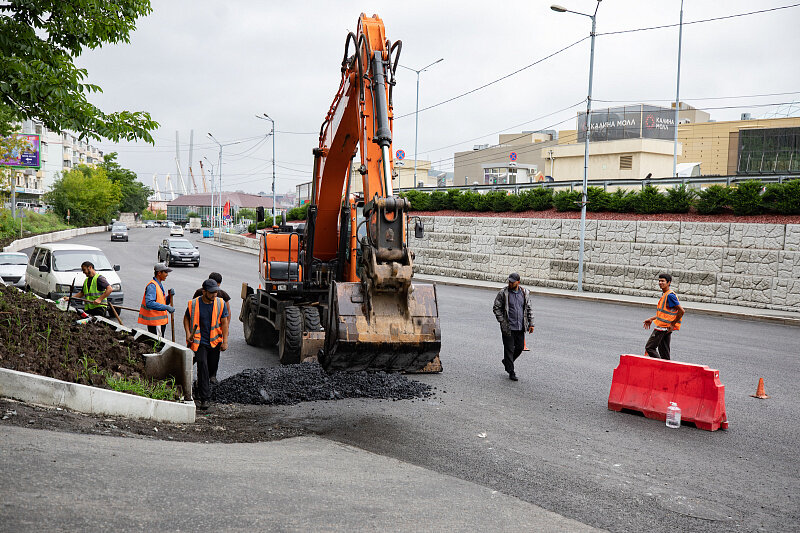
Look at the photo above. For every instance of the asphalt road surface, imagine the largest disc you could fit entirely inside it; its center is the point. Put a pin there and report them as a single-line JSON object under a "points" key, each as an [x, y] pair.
{"points": [[549, 439]]}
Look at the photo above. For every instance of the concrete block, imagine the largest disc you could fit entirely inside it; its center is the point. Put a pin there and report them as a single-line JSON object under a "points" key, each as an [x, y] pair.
{"points": [[704, 233], [789, 265], [568, 249], [171, 360], [786, 292], [570, 229], [515, 227], [654, 232], [792, 239], [512, 245], [616, 230], [750, 262], [609, 252], [762, 236], [659, 256], [698, 258], [736, 287], [545, 228]]}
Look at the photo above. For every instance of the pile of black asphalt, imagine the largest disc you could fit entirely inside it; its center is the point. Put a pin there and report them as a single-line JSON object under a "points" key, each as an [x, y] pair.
{"points": [[308, 382]]}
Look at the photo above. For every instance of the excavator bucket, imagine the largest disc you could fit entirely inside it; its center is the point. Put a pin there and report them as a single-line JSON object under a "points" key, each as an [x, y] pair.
{"points": [[390, 331]]}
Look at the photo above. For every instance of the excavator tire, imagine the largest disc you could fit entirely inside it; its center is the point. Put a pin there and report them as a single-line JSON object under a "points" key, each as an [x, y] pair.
{"points": [[311, 319], [253, 335], [292, 335]]}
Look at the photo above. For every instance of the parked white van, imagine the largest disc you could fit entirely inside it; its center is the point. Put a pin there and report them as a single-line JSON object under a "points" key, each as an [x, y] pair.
{"points": [[54, 268]]}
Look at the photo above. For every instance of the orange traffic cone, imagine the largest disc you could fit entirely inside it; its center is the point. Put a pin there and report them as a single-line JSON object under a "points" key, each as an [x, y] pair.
{"points": [[760, 391]]}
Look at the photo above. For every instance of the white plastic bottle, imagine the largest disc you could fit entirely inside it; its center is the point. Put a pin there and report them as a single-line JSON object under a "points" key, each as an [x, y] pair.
{"points": [[673, 415]]}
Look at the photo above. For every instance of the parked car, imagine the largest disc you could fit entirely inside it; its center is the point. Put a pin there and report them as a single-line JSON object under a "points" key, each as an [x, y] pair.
{"points": [[12, 268], [119, 232], [149, 223], [55, 268], [173, 252], [176, 230]]}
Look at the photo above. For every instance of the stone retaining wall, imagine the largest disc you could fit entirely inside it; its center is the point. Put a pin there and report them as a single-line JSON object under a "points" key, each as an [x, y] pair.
{"points": [[755, 265]]}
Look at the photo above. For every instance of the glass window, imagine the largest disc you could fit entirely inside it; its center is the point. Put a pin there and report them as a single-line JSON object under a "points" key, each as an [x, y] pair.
{"points": [[70, 260]]}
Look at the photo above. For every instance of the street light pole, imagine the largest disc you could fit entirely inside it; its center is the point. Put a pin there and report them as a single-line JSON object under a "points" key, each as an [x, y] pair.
{"points": [[677, 97], [212, 191], [416, 114], [219, 165], [588, 131], [267, 117]]}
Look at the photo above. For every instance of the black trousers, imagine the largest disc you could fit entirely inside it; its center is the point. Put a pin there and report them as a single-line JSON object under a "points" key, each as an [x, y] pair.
{"points": [[152, 329], [95, 311], [513, 344], [658, 344], [202, 356], [213, 362]]}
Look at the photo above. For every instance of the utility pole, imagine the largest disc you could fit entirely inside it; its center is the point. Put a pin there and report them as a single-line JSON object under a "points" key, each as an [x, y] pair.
{"points": [[267, 117]]}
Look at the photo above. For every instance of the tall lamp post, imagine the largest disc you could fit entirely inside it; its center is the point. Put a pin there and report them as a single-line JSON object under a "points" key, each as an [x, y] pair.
{"points": [[416, 112], [212, 190], [267, 117], [677, 97], [560, 9]]}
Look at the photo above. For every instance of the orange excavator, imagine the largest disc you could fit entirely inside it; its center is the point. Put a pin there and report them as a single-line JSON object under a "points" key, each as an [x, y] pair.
{"points": [[339, 288]]}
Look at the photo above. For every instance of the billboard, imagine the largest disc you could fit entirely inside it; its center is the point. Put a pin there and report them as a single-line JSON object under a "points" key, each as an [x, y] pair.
{"points": [[628, 122], [26, 156]]}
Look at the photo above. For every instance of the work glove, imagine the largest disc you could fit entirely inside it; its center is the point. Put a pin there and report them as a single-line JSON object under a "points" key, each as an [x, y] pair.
{"points": [[170, 309]]}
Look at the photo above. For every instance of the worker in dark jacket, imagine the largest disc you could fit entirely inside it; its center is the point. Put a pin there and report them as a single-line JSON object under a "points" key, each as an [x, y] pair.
{"points": [[512, 308]]}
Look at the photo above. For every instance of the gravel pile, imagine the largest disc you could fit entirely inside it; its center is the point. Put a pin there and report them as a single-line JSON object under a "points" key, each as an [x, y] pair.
{"points": [[307, 382]]}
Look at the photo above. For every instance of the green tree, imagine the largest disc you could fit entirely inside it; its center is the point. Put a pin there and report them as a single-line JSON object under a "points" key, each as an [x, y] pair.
{"points": [[88, 194], [134, 192], [39, 40]]}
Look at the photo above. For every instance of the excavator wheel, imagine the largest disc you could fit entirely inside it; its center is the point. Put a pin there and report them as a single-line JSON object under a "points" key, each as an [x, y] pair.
{"points": [[253, 335], [292, 336], [311, 319], [257, 332]]}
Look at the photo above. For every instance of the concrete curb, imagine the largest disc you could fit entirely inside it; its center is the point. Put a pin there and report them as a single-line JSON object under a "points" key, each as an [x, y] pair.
{"points": [[174, 360], [28, 242], [42, 390]]}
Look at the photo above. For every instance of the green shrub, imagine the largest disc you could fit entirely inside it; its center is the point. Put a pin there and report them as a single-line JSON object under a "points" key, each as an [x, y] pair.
{"points": [[33, 223], [452, 196], [783, 198], [540, 198], [650, 200], [261, 225], [745, 199], [597, 199], [437, 201], [622, 201], [419, 200], [567, 201], [680, 199], [712, 200], [482, 202], [298, 213], [498, 201], [466, 201]]}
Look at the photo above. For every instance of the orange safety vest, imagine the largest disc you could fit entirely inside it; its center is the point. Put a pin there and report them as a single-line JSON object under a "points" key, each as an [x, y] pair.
{"points": [[215, 333], [664, 316], [153, 317]]}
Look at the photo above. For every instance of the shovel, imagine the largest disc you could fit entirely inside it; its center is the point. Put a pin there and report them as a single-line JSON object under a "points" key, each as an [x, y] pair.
{"points": [[170, 298]]}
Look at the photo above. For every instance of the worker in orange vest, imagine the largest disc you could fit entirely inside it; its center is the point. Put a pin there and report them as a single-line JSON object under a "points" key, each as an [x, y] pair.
{"points": [[206, 334], [154, 310], [666, 320]]}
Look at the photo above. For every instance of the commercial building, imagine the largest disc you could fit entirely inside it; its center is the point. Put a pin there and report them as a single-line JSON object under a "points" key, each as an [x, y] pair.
{"points": [[632, 142], [178, 209]]}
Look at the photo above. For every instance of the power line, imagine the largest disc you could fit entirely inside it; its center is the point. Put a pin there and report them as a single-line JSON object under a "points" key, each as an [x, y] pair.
{"points": [[700, 21], [497, 80], [700, 99]]}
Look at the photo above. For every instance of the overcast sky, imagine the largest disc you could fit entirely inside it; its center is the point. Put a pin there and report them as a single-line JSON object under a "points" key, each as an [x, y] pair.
{"points": [[213, 66]]}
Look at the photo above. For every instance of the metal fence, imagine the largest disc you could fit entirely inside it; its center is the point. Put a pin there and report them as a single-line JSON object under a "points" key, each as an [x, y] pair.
{"points": [[695, 182]]}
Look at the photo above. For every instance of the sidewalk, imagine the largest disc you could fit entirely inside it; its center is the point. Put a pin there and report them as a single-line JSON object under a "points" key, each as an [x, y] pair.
{"points": [[730, 311]]}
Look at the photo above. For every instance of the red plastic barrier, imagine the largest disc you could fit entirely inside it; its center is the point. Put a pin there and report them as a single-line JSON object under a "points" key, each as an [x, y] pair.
{"points": [[648, 385]]}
